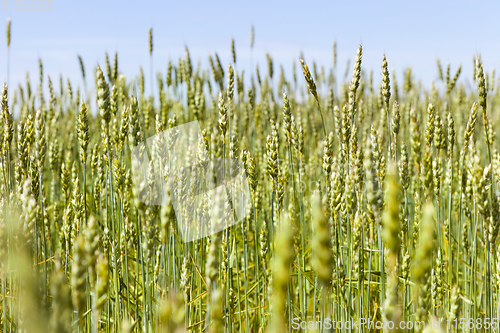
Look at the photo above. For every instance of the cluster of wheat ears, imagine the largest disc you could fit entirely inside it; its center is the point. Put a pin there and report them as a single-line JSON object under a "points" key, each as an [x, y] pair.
{"points": [[376, 202]]}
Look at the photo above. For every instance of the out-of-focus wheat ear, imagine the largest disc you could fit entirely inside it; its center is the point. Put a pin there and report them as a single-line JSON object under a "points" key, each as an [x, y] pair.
{"points": [[169, 73], [322, 259], [61, 87], [40, 69], [217, 312], [171, 313], [70, 92], [455, 303], [453, 81], [233, 51], [373, 193], [422, 268], [334, 54], [78, 279], [270, 66], [102, 270], [91, 246], [257, 74], [151, 60], [252, 36], [220, 71], [357, 248], [54, 157], [29, 211], [108, 68], [440, 69], [188, 67], [212, 266], [281, 275], [395, 85], [408, 84], [447, 77], [150, 40], [423, 257], [390, 219], [141, 82], [82, 67], [60, 320], [8, 32]]}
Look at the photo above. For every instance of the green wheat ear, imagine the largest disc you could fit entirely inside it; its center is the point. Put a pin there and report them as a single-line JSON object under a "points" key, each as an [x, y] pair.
{"points": [[312, 88], [390, 219], [281, 274], [423, 257], [233, 51], [150, 41], [322, 259], [83, 132], [8, 32], [82, 67], [252, 36]]}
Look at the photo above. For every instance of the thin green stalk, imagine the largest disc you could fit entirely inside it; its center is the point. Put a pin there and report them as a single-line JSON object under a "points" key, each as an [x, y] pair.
{"points": [[114, 245]]}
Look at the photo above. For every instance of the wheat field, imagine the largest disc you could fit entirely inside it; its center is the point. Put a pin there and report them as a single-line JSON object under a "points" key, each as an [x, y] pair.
{"points": [[375, 202]]}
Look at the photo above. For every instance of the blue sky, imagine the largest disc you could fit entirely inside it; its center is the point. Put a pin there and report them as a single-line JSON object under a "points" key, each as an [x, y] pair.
{"points": [[410, 33]]}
